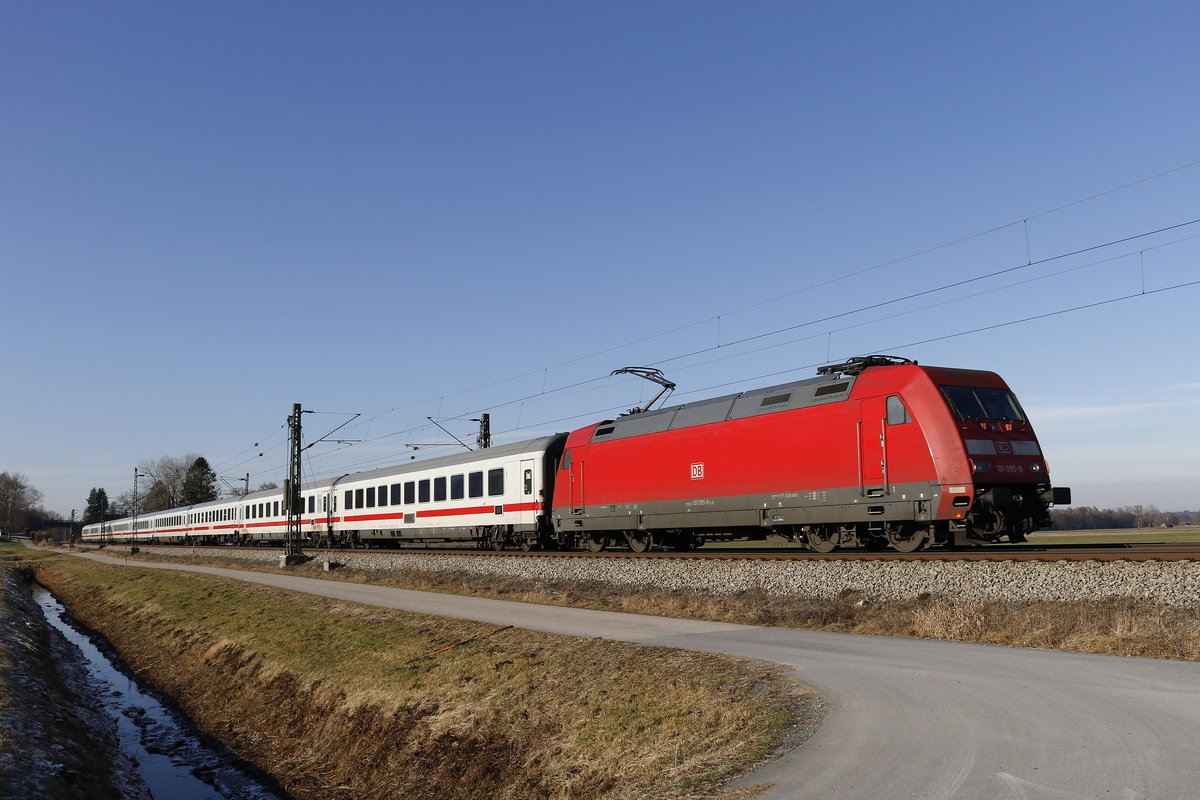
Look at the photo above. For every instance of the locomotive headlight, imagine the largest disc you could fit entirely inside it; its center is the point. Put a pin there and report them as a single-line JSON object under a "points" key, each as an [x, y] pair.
{"points": [[1035, 466], [979, 465]]}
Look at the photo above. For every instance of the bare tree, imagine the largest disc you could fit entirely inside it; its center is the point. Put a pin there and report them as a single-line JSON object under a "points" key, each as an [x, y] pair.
{"points": [[18, 501], [122, 505], [168, 474]]}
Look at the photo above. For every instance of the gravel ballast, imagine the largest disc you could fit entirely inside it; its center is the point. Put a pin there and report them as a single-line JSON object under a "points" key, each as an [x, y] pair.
{"points": [[1174, 583]]}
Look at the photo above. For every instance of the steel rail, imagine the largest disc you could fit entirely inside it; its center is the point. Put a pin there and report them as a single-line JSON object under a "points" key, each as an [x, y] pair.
{"points": [[1048, 552]]}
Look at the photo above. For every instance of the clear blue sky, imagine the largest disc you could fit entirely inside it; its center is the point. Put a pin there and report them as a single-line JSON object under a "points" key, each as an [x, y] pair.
{"points": [[210, 211]]}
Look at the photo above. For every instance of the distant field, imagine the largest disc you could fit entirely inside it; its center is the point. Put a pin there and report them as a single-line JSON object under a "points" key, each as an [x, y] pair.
{"points": [[1183, 533]]}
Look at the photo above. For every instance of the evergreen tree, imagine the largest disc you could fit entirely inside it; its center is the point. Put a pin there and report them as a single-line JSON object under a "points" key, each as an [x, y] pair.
{"points": [[97, 506], [199, 484]]}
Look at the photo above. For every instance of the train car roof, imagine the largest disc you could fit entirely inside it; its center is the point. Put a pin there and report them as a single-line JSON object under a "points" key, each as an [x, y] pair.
{"points": [[751, 403], [456, 459]]}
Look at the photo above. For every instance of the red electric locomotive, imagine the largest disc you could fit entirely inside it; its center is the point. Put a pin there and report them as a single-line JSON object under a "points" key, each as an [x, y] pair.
{"points": [[874, 452]]}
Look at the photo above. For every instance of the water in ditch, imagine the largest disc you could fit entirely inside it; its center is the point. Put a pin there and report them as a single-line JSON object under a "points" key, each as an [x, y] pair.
{"points": [[175, 763]]}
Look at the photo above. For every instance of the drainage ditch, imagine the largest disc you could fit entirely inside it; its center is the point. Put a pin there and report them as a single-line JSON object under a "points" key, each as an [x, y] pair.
{"points": [[175, 760]]}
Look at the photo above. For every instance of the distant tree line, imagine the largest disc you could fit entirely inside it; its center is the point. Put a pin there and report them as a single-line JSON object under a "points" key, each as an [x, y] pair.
{"points": [[168, 482], [1092, 518]]}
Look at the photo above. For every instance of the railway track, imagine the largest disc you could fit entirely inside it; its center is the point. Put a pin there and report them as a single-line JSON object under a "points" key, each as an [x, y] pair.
{"points": [[1025, 552]]}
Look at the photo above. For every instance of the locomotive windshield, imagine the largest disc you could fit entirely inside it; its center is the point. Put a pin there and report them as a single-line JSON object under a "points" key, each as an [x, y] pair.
{"points": [[982, 402]]}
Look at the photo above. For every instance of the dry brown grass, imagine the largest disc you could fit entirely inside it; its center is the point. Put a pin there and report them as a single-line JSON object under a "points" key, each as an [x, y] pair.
{"points": [[1116, 627], [339, 700]]}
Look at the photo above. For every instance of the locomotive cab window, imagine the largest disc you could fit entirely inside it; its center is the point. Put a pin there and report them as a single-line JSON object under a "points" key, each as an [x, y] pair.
{"points": [[983, 403], [897, 414]]}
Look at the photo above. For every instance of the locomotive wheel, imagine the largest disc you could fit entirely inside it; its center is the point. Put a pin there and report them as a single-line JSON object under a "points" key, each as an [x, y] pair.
{"points": [[639, 541], [823, 539], [596, 542], [907, 539]]}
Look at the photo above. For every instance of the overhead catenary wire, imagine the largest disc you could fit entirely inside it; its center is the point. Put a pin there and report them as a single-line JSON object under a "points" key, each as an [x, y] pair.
{"points": [[869, 307], [609, 411], [995, 273], [845, 276], [586, 384]]}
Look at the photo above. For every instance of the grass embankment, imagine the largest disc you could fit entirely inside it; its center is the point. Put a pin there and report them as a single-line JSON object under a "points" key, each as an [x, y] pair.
{"points": [[1114, 627], [339, 700]]}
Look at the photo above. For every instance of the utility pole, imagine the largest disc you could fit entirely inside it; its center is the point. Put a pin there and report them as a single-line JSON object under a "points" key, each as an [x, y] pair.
{"points": [[291, 494], [103, 514], [484, 439]]}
